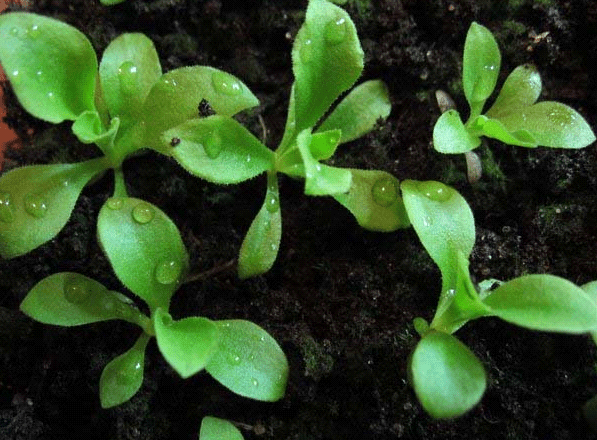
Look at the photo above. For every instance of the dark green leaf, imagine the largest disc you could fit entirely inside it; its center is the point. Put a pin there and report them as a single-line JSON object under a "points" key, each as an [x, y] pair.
{"points": [[450, 135], [213, 428]]}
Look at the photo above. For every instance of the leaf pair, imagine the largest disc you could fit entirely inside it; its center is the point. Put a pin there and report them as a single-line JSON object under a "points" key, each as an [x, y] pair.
{"points": [[447, 377], [515, 118]]}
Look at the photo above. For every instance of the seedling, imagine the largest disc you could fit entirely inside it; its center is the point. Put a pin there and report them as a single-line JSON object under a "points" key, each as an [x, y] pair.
{"points": [[515, 118], [327, 59], [213, 428], [447, 377], [121, 108]]}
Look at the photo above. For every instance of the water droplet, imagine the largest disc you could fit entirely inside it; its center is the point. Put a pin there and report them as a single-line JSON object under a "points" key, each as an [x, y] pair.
{"points": [[143, 213], [306, 50], [6, 208], [108, 303], [127, 76], [75, 291], [436, 191], [248, 158], [167, 320], [233, 359], [255, 382], [427, 221], [14, 31], [335, 31], [262, 339], [384, 191], [489, 67], [115, 203], [33, 32], [50, 95], [226, 84], [273, 203], [213, 145], [273, 247], [318, 168], [560, 117], [15, 75], [35, 205], [168, 271]]}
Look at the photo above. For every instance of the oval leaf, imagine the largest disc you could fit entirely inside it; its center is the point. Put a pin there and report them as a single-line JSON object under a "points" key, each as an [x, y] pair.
{"points": [[36, 202], [493, 128], [544, 302], [144, 248], [450, 135], [213, 428], [218, 149], [447, 377], [123, 376], [187, 344], [50, 64], [521, 89], [249, 361], [70, 299], [374, 199]]}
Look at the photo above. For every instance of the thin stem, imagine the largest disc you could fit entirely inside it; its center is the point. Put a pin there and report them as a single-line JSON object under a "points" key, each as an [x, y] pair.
{"points": [[119, 185]]}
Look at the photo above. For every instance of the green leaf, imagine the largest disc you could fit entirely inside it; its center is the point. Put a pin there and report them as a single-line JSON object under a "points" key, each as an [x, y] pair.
{"points": [[128, 70], [359, 111], [70, 299], [320, 179], [324, 144], [89, 129], [327, 59], [544, 302], [493, 128], [591, 290], [447, 377], [213, 428], [374, 199], [450, 136], [110, 2], [36, 202], [249, 361], [521, 89], [552, 124], [144, 248], [51, 65], [260, 246], [123, 376], [187, 344], [481, 66], [218, 149], [175, 98]]}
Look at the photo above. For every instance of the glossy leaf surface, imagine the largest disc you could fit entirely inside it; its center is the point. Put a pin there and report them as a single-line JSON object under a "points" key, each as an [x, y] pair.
{"points": [[213, 428], [218, 149], [374, 200], [187, 344], [249, 361], [521, 89], [493, 128], [446, 376], [50, 64], [123, 376], [144, 248], [36, 202], [591, 290], [450, 136]]}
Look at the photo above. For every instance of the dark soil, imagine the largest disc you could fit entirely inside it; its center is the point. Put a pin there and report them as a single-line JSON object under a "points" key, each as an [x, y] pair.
{"points": [[339, 299]]}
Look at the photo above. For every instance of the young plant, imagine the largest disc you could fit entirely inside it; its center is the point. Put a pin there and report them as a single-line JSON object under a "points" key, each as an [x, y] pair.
{"points": [[121, 108], [327, 59], [515, 118], [148, 256], [447, 377], [213, 428]]}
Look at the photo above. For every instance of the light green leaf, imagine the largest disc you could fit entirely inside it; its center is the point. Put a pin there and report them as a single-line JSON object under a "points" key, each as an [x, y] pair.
{"points": [[450, 136], [447, 377], [320, 179], [187, 344], [249, 361], [128, 70], [324, 144], [144, 248], [36, 202], [374, 199], [327, 59], [552, 124], [262, 242], [493, 128], [122, 376], [175, 98], [481, 66], [218, 149], [544, 302], [51, 65], [521, 89], [591, 290], [70, 299], [89, 129], [359, 111], [213, 428]]}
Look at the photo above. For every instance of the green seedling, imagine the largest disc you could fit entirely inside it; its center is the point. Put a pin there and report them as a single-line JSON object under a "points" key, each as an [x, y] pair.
{"points": [[148, 256], [213, 428], [121, 107], [327, 60], [447, 377], [515, 118], [590, 407]]}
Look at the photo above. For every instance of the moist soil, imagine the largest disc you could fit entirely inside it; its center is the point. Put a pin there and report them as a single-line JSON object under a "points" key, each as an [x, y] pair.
{"points": [[340, 300]]}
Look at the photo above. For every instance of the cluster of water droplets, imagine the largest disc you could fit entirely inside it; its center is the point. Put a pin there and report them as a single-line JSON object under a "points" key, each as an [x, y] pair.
{"points": [[226, 84], [235, 359], [334, 33]]}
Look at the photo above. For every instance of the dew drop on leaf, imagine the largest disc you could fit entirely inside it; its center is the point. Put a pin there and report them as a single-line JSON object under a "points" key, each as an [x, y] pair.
{"points": [[255, 382], [226, 84], [127, 76], [143, 213], [75, 291], [33, 33], [35, 205], [6, 208], [436, 191], [306, 50], [50, 95], [234, 359], [384, 191], [273, 203], [335, 31], [167, 271], [213, 145], [14, 31], [115, 203], [108, 303], [248, 158], [489, 67]]}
